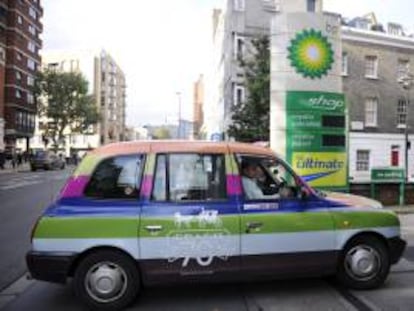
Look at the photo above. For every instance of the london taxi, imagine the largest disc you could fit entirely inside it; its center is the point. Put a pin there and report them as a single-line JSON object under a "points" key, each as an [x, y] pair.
{"points": [[141, 213]]}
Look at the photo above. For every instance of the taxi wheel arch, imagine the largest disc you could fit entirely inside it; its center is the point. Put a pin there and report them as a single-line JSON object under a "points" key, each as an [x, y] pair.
{"points": [[371, 245], [118, 260]]}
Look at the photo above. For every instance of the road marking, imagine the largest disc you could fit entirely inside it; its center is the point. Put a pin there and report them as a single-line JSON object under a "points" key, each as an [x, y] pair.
{"points": [[29, 180], [19, 185]]}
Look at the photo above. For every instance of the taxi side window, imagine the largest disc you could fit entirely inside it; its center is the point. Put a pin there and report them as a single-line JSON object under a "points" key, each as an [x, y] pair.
{"points": [[265, 178], [189, 177], [116, 178]]}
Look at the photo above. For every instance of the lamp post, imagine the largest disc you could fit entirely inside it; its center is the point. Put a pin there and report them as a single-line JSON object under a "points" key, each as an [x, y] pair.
{"points": [[179, 115], [406, 83]]}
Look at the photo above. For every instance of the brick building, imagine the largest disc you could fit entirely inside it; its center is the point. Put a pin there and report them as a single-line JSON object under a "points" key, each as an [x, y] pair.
{"points": [[20, 29]]}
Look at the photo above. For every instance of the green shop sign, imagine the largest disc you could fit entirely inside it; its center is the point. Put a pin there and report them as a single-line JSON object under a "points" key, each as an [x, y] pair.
{"points": [[316, 101], [316, 137], [387, 175]]}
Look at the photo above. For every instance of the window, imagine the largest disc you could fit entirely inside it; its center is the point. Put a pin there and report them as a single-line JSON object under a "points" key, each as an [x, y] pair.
{"points": [[238, 47], [362, 162], [266, 178], [371, 67], [239, 5], [19, 56], [18, 94], [117, 178], [371, 106], [19, 19], [18, 75], [311, 5], [31, 46], [32, 30], [32, 12], [30, 80], [19, 118], [344, 68], [31, 64], [239, 94], [402, 113], [403, 68], [189, 177], [30, 98]]}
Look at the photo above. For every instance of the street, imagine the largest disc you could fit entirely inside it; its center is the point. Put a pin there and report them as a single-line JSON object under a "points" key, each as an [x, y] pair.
{"points": [[23, 195]]}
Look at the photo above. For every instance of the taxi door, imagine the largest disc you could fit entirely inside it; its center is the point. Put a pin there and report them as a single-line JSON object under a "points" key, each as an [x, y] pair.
{"points": [[189, 225], [281, 233]]}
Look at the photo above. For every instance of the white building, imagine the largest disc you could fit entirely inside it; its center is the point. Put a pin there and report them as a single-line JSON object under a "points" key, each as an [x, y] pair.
{"points": [[106, 83]]}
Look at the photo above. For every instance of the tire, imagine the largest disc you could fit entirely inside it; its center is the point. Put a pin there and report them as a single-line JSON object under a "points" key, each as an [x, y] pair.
{"points": [[364, 253], [120, 268]]}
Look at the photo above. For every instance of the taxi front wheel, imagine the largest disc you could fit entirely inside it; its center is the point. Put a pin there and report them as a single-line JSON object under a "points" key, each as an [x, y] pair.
{"points": [[106, 280], [364, 263]]}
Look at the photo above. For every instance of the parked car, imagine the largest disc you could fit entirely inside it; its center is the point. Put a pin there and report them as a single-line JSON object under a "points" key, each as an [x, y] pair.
{"points": [[46, 160], [143, 213]]}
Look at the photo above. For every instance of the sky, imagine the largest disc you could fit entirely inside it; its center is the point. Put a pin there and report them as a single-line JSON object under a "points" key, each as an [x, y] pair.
{"points": [[164, 46]]}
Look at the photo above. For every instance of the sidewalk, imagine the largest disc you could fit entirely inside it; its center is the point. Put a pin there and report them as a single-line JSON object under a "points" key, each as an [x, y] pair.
{"points": [[25, 167], [404, 209]]}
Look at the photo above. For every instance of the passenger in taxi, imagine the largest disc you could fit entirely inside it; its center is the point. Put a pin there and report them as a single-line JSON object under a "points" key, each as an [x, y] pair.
{"points": [[251, 173]]}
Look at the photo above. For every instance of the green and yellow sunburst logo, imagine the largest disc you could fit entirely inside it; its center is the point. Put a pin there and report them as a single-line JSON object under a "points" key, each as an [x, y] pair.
{"points": [[311, 54]]}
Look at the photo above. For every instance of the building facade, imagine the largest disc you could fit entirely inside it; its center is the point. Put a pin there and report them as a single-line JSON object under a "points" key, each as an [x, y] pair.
{"points": [[381, 120], [380, 114], [198, 114], [111, 88], [20, 44], [234, 25], [106, 84]]}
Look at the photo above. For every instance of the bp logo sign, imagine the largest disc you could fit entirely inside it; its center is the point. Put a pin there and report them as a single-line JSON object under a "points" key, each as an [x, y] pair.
{"points": [[311, 54]]}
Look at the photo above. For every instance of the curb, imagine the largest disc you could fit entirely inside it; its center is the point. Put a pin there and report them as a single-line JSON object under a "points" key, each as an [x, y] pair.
{"points": [[14, 290], [403, 210]]}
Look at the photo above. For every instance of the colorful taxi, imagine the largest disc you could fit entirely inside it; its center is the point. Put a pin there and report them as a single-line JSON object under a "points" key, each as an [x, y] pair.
{"points": [[142, 213]]}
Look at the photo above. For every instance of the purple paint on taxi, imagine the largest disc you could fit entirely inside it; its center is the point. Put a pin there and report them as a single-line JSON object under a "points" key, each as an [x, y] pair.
{"points": [[75, 187], [146, 186], [233, 185]]}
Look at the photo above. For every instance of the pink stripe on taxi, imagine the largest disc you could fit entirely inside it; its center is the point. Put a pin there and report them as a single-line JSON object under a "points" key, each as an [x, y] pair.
{"points": [[233, 185], [146, 186], [74, 187]]}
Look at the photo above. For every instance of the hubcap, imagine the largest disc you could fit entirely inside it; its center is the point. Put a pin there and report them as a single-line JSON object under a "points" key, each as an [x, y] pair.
{"points": [[362, 262], [106, 281]]}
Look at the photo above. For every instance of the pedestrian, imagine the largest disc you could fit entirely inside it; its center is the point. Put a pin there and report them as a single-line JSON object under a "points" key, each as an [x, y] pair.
{"points": [[14, 159], [2, 159], [19, 159]]}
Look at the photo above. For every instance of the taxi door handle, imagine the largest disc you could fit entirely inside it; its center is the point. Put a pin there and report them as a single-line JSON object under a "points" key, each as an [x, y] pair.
{"points": [[153, 228], [253, 225]]}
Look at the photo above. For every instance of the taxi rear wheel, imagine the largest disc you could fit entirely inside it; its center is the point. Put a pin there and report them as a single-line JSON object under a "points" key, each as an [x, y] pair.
{"points": [[364, 263], [106, 280]]}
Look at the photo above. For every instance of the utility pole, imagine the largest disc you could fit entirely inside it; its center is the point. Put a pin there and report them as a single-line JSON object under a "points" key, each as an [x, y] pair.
{"points": [[406, 83], [179, 115]]}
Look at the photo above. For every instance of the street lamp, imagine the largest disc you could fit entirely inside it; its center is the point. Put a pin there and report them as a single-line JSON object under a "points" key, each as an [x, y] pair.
{"points": [[179, 115], [406, 83]]}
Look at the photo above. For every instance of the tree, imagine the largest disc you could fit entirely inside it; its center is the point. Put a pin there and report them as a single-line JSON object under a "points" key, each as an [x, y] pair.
{"points": [[62, 99], [250, 119], [161, 133]]}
